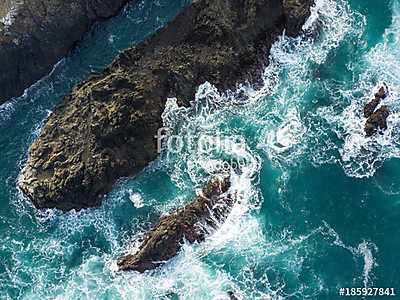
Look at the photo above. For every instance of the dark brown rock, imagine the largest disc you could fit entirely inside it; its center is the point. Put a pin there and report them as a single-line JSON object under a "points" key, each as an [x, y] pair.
{"points": [[370, 107], [295, 10], [40, 33], [377, 121], [381, 93], [191, 223], [104, 128]]}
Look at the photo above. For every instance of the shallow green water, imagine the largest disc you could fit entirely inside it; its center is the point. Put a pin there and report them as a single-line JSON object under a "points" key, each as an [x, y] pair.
{"points": [[319, 204]]}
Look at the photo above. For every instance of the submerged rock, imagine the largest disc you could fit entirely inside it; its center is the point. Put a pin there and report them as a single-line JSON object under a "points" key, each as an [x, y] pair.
{"points": [[190, 223], [34, 35], [104, 128], [376, 119]]}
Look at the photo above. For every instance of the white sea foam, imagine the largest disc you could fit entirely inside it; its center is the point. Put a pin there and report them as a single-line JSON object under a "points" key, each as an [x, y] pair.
{"points": [[287, 130], [285, 134], [361, 156], [239, 256], [364, 250], [206, 119], [111, 38], [200, 271], [6, 110], [282, 130], [136, 200]]}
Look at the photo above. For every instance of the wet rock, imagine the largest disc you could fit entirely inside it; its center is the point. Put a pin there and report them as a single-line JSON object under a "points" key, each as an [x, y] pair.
{"points": [[377, 121], [104, 128], [192, 223], [295, 10], [370, 107], [36, 34]]}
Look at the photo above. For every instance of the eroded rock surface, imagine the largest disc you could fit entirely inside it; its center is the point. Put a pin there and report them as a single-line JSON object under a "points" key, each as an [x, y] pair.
{"points": [[36, 34], [191, 223], [104, 128], [376, 119]]}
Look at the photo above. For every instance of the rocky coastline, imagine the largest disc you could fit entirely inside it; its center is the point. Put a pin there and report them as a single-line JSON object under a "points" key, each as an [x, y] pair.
{"points": [[104, 128], [191, 223], [36, 34]]}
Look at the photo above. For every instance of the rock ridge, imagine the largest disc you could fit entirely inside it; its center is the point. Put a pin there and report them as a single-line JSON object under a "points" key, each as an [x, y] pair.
{"points": [[191, 223]]}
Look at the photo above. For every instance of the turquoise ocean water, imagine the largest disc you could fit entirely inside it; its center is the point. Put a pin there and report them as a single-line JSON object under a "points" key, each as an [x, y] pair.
{"points": [[319, 204]]}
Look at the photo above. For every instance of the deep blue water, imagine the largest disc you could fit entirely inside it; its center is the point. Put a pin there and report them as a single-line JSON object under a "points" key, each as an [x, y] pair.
{"points": [[319, 204]]}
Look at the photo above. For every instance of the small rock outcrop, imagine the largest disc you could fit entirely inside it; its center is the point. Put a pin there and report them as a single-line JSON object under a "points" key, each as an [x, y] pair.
{"points": [[104, 128], [376, 119], [36, 34], [370, 107], [191, 223]]}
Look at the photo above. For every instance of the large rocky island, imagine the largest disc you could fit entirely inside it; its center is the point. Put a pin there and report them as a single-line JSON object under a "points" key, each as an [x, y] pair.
{"points": [[35, 34], [104, 128]]}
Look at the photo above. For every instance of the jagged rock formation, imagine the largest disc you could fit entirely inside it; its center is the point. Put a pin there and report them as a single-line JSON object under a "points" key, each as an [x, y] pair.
{"points": [[370, 107], [104, 128], [376, 119], [35, 34], [191, 223]]}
